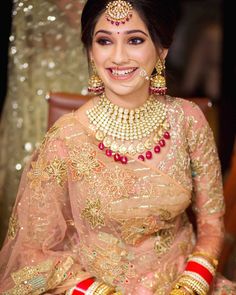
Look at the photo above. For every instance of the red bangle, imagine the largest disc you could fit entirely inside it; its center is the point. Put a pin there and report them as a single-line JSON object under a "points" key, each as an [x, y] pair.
{"points": [[201, 270], [83, 286]]}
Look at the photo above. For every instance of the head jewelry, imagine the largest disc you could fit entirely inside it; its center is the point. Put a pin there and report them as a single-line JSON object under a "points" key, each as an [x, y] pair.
{"points": [[118, 11]]}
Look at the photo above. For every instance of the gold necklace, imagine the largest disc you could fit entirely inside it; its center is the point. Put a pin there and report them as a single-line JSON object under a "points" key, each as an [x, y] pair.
{"points": [[122, 131]]}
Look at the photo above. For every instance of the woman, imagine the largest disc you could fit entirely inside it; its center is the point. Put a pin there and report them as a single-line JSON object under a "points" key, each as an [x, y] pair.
{"points": [[102, 207]]}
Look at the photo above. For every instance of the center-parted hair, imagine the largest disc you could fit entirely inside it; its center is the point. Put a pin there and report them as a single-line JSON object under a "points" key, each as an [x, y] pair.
{"points": [[160, 17]]}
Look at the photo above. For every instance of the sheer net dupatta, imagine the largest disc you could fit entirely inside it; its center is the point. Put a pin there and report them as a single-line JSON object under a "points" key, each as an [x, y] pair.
{"points": [[39, 251]]}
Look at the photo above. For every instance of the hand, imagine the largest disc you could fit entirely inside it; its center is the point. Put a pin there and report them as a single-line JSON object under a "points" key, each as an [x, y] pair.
{"points": [[186, 291], [141, 290]]}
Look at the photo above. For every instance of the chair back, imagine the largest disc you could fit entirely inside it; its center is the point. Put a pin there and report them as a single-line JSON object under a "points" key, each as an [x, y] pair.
{"points": [[60, 103]]}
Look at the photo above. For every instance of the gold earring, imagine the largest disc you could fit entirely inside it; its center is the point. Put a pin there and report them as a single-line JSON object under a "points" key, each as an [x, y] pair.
{"points": [[95, 84], [158, 81]]}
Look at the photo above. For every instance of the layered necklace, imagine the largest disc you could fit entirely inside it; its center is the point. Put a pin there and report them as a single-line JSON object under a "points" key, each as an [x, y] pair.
{"points": [[137, 132]]}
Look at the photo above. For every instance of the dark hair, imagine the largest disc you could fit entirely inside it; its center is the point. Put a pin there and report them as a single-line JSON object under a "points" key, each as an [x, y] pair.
{"points": [[160, 17]]}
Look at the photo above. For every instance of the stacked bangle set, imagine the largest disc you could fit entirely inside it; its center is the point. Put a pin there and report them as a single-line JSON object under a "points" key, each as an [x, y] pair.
{"points": [[198, 275], [195, 280], [92, 287]]}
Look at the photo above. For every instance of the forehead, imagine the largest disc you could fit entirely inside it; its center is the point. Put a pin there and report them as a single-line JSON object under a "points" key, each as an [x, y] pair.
{"points": [[134, 23]]}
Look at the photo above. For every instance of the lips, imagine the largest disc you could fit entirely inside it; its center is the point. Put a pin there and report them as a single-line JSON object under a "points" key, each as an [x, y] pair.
{"points": [[121, 73]]}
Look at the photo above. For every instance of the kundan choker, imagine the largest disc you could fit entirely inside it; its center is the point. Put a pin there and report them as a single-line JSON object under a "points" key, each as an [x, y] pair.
{"points": [[121, 131]]}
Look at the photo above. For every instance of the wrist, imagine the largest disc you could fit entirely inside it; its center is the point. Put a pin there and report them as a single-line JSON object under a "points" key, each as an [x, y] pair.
{"points": [[91, 286], [198, 275]]}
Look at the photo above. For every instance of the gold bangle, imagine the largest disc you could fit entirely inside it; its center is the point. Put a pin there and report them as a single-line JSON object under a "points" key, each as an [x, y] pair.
{"points": [[196, 286], [178, 292], [213, 260], [181, 285], [189, 290], [103, 289]]}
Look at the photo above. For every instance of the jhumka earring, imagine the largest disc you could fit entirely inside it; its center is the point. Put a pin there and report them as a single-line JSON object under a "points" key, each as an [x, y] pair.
{"points": [[118, 11], [95, 84], [158, 81]]}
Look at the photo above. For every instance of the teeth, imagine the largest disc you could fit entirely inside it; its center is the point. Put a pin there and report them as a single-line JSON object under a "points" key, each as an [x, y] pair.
{"points": [[121, 73]]}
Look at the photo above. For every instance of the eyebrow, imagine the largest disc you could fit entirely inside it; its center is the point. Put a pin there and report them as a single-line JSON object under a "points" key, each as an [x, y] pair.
{"points": [[126, 32]]}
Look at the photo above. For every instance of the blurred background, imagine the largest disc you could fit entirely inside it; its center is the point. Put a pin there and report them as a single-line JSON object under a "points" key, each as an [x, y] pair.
{"points": [[41, 51]]}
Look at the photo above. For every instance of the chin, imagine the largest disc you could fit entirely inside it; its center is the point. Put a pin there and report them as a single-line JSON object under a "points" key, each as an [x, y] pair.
{"points": [[123, 90]]}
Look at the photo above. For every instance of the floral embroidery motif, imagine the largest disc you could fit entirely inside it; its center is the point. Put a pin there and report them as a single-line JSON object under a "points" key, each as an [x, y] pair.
{"points": [[118, 183], [57, 169], [111, 262], [13, 227], [93, 213], [163, 241], [38, 174], [83, 162]]}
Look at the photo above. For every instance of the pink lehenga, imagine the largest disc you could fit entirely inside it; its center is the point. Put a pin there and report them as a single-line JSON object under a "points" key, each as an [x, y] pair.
{"points": [[80, 214]]}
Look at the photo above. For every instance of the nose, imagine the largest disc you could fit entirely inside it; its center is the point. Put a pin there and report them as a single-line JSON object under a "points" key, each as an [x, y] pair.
{"points": [[119, 54]]}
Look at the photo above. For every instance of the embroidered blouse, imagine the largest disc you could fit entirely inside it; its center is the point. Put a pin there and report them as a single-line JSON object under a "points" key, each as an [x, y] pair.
{"points": [[80, 214]]}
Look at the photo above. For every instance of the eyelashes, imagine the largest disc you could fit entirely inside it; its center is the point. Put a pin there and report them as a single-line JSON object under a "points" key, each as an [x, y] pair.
{"points": [[131, 41], [103, 41], [136, 41]]}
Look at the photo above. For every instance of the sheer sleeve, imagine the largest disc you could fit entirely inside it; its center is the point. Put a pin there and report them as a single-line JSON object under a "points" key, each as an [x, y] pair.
{"points": [[39, 253], [208, 201]]}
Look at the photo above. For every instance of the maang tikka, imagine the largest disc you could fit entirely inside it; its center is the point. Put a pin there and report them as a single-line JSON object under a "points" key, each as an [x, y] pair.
{"points": [[158, 81], [95, 84], [118, 12]]}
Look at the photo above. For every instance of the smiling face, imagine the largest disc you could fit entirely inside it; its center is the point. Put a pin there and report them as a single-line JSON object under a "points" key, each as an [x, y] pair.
{"points": [[120, 53]]}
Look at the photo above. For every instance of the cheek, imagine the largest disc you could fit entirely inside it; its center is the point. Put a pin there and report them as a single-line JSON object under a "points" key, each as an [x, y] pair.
{"points": [[100, 54], [146, 56]]}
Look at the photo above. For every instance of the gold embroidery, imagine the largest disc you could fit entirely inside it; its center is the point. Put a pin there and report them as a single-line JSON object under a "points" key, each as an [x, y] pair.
{"points": [[40, 278], [111, 262], [196, 167], [134, 230], [51, 132], [28, 272], [206, 167], [57, 169], [37, 174], [164, 279], [20, 290], [83, 162], [165, 215], [118, 182], [93, 213], [13, 227], [60, 274], [163, 241]]}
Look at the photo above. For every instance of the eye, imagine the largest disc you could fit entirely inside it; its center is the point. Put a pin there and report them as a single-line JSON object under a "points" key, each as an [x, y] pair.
{"points": [[103, 41], [136, 41]]}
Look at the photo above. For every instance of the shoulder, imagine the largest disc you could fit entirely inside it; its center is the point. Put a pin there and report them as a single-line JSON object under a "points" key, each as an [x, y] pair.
{"points": [[193, 110], [64, 131]]}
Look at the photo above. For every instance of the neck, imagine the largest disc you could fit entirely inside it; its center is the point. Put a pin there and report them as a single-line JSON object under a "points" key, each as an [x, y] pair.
{"points": [[129, 101]]}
